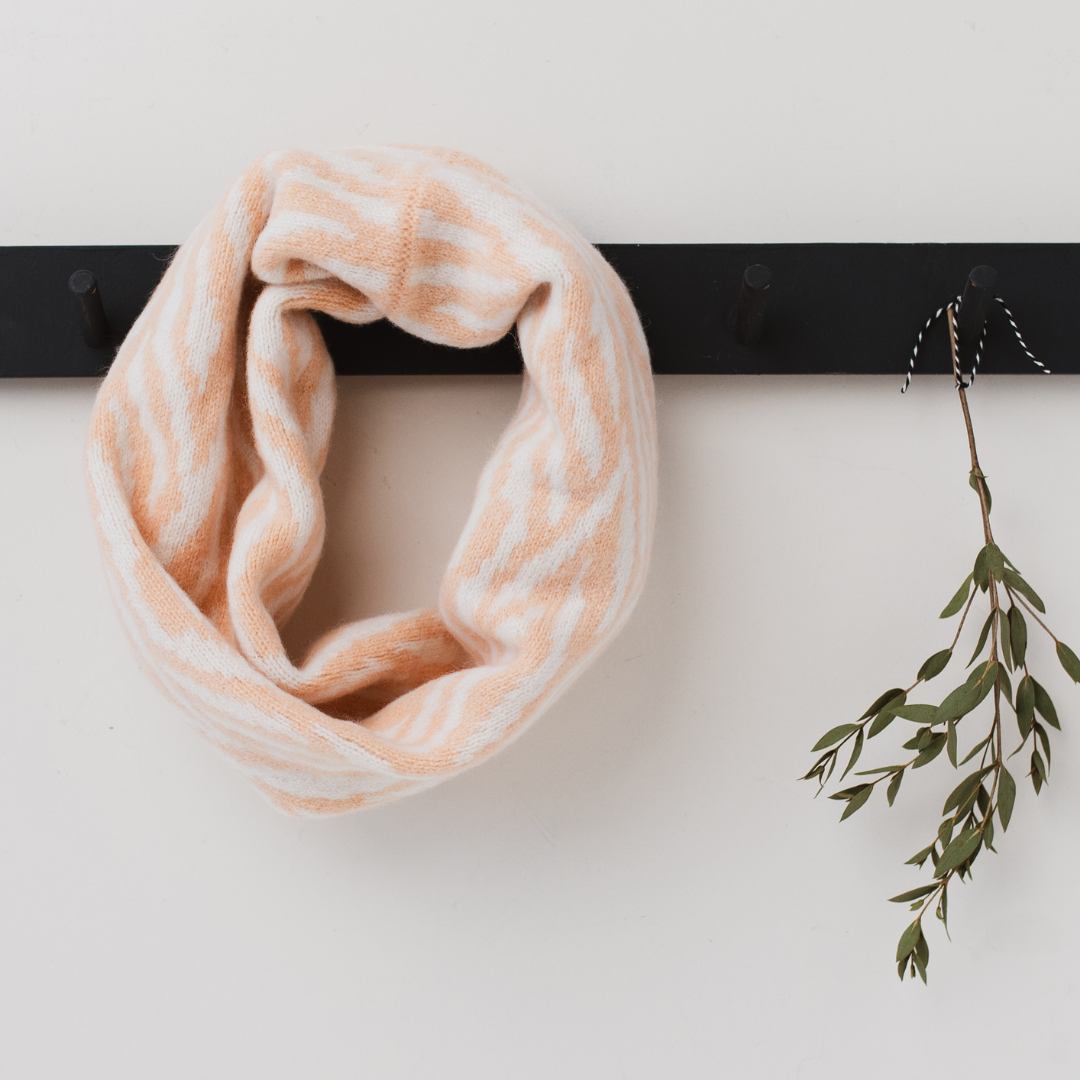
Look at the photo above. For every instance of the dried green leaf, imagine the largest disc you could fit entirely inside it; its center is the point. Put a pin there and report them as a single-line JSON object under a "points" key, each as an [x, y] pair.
{"points": [[922, 951], [950, 742], [1044, 739], [1018, 635], [832, 765], [960, 850], [944, 833], [1003, 638], [968, 804], [936, 745], [908, 940], [921, 856], [964, 789], [966, 866], [1006, 686], [1069, 661], [881, 722], [1015, 581], [1006, 797], [988, 833], [943, 909], [1038, 770], [914, 894], [857, 802], [983, 679], [934, 665], [854, 755], [982, 637], [958, 601], [995, 561], [958, 703], [833, 735], [1025, 705], [894, 786], [919, 714], [974, 484], [817, 768], [850, 792], [980, 574], [881, 702], [1045, 706], [965, 698], [983, 799], [975, 749]]}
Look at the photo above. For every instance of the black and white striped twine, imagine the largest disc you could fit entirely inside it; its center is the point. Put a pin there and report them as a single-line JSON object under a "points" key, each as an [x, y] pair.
{"points": [[955, 305]]}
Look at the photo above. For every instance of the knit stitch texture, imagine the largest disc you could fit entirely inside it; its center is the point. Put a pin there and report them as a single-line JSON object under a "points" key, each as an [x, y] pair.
{"points": [[211, 429]]}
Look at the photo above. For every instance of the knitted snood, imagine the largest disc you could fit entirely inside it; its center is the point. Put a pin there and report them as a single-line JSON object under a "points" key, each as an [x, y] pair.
{"points": [[210, 432]]}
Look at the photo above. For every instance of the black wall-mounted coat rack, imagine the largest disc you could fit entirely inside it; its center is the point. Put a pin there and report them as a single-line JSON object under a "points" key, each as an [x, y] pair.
{"points": [[706, 309]]}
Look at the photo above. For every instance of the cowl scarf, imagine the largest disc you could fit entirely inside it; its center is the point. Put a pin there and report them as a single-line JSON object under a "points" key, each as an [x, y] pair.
{"points": [[211, 429]]}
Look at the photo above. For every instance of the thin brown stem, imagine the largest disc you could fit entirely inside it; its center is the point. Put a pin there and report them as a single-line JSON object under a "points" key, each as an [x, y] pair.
{"points": [[963, 618], [936, 894], [962, 390], [995, 606]]}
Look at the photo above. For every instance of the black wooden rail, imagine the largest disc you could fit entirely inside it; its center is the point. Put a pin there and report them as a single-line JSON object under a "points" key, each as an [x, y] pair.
{"points": [[706, 308]]}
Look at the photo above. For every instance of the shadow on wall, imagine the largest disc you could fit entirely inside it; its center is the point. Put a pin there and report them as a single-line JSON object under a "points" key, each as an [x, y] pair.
{"points": [[398, 485], [404, 459]]}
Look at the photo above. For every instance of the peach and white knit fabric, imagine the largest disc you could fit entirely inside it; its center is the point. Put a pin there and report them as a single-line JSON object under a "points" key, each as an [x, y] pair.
{"points": [[212, 427]]}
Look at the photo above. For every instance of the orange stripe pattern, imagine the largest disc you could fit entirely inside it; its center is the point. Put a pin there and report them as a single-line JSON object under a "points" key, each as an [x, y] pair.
{"points": [[211, 430]]}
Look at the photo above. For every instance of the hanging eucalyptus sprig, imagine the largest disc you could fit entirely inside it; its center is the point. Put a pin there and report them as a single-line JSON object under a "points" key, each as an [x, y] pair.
{"points": [[989, 791]]}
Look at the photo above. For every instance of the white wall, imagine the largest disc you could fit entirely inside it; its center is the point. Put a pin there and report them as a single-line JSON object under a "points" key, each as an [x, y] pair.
{"points": [[638, 887]]}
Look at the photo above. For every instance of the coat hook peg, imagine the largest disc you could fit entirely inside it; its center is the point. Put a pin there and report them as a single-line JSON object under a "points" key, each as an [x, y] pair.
{"points": [[975, 306], [92, 320], [747, 318]]}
